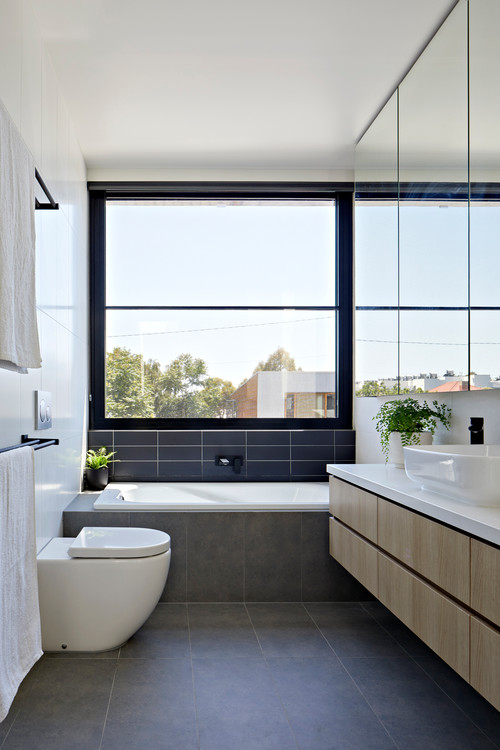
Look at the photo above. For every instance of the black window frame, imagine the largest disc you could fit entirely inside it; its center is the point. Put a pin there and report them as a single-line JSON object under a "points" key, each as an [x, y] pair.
{"points": [[342, 193]]}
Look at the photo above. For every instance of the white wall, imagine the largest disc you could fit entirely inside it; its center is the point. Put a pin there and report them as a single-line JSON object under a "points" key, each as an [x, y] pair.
{"points": [[463, 405], [30, 91]]}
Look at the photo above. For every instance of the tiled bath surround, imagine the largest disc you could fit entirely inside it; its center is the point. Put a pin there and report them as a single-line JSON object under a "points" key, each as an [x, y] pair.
{"points": [[175, 455], [236, 556]]}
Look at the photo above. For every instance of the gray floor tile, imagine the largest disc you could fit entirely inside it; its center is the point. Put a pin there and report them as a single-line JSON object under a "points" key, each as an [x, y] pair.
{"points": [[351, 631], [152, 706], [483, 714], [66, 706], [325, 708], [221, 630], [403, 635], [286, 629], [164, 635], [238, 708], [413, 709], [22, 693]]}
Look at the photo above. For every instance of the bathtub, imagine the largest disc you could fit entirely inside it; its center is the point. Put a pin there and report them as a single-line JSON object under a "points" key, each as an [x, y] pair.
{"points": [[214, 496]]}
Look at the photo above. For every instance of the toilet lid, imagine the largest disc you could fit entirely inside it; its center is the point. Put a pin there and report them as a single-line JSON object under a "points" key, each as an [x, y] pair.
{"points": [[109, 541]]}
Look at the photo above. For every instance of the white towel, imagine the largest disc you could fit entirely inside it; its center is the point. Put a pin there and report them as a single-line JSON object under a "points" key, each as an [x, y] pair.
{"points": [[20, 631], [19, 345]]}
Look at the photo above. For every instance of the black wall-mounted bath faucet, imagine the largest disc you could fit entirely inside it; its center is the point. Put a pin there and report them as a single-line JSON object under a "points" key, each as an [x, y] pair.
{"points": [[476, 430], [235, 461]]}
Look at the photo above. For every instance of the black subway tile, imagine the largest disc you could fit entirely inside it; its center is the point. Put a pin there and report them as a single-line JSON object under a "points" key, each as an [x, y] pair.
{"points": [[179, 453], [136, 453], [213, 473], [316, 468], [345, 437], [135, 470], [272, 469], [345, 453], [135, 437], [313, 453], [312, 437], [268, 437], [224, 437], [268, 453], [96, 438], [186, 471], [211, 451], [179, 437]]}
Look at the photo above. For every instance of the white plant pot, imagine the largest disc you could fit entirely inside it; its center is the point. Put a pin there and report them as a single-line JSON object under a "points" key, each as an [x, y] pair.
{"points": [[396, 456]]}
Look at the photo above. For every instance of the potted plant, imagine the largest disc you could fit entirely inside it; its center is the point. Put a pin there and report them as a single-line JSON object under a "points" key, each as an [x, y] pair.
{"points": [[408, 422], [96, 467]]}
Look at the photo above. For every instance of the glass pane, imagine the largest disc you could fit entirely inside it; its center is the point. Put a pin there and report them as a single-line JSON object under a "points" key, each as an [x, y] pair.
{"points": [[220, 363], [485, 349], [485, 254], [376, 211], [376, 352], [223, 253], [433, 170], [434, 350]]}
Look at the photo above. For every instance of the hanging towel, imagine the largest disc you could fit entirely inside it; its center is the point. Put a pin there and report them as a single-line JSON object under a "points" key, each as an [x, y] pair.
{"points": [[20, 632], [19, 345]]}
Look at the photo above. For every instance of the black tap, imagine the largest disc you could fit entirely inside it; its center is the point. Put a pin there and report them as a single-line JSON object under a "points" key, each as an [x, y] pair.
{"points": [[476, 430]]}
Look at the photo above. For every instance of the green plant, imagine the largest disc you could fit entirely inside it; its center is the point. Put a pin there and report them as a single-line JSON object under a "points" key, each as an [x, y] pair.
{"points": [[410, 418], [99, 459]]}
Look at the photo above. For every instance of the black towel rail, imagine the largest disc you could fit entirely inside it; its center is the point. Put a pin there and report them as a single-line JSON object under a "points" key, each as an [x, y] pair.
{"points": [[37, 443], [51, 205]]}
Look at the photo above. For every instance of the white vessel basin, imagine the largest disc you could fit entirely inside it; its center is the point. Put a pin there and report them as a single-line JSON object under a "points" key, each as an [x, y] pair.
{"points": [[469, 473]]}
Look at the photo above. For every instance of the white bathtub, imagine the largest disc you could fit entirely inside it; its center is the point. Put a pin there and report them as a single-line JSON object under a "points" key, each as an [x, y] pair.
{"points": [[215, 496]]}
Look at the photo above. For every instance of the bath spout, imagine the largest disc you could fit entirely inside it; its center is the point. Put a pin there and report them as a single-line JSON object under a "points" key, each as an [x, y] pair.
{"points": [[476, 430]]}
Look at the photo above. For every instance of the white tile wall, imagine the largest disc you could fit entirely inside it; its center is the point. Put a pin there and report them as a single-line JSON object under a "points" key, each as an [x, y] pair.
{"points": [[30, 91]]}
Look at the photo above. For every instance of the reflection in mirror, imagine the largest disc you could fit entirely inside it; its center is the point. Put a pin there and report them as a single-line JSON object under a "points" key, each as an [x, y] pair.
{"points": [[376, 352], [485, 348]]}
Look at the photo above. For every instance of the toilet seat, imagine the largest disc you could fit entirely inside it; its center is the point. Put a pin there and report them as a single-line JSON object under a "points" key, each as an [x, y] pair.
{"points": [[118, 542]]}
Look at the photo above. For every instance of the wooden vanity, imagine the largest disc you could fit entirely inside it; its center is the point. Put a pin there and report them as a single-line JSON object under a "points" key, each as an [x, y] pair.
{"points": [[443, 582]]}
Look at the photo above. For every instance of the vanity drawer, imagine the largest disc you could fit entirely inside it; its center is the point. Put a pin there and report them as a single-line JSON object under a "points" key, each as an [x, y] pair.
{"points": [[438, 553], [354, 554], [354, 507], [485, 660], [485, 580], [437, 620]]}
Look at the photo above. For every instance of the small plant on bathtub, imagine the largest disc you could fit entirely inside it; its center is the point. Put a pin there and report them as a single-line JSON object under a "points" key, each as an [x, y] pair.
{"points": [[96, 466]]}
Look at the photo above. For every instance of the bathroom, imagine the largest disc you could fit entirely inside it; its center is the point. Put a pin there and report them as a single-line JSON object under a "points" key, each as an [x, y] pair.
{"points": [[74, 702]]}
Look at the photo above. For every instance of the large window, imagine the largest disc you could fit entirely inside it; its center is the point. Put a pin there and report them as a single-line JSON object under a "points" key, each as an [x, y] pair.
{"points": [[217, 305]]}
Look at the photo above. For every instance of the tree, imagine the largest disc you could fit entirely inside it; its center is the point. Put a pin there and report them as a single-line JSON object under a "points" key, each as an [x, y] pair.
{"points": [[127, 394], [278, 360]]}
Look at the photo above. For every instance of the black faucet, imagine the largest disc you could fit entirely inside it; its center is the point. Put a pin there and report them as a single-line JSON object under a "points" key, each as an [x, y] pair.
{"points": [[235, 461], [476, 431]]}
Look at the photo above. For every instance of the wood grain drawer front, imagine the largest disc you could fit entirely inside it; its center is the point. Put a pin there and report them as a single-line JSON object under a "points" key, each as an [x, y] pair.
{"points": [[354, 507], [485, 660], [355, 555], [439, 622], [485, 580], [438, 553]]}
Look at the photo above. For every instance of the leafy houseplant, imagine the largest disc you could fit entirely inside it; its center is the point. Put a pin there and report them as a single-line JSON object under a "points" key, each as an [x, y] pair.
{"points": [[409, 418], [96, 466]]}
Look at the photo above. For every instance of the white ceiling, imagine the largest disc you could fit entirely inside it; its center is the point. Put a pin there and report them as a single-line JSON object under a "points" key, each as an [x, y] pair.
{"points": [[227, 84]]}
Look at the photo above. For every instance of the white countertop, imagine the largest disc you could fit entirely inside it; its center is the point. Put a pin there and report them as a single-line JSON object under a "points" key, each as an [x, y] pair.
{"points": [[393, 484]]}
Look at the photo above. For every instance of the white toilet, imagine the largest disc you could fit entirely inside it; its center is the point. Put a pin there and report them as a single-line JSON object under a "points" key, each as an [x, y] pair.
{"points": [[96, 590]]}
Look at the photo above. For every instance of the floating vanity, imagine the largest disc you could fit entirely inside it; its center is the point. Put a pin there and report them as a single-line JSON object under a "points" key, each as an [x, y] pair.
{"points": [[434, 562]]}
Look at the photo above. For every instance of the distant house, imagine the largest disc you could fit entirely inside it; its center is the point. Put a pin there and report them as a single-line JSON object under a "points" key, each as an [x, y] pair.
{"points": [[454, 385], [282, 393]]}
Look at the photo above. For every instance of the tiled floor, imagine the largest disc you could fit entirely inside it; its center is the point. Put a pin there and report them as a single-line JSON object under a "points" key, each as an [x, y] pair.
{"points": [[253, 677]]}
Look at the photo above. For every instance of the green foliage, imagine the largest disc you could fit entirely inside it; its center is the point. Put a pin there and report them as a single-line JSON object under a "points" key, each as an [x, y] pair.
{"points": [[278, 360], [410, 418], [127, 393], [99, 459], [373, 388]]}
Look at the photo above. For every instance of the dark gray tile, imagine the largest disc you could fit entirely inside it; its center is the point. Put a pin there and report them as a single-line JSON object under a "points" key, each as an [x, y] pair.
{"points": [[215, 557], [135, 437], [312, 437], [238, 708], [272, 557], [137, 453], [97, 438], [286, 629], [351, 631], [403, 635], [345, 453], [268, 437], [180, 453], [185, 471], [179, 437], [325, 708], [22, 693], [477, 708], [213, 473], [323, 453], [211, 451], [174, 524], [344, 437], [151, 706], [304, 469], [221, 630], [66, 706], [73, 522], [223, 437], [135, 470], [268, 453], [413, 709], [165, 635], [279, 470]]}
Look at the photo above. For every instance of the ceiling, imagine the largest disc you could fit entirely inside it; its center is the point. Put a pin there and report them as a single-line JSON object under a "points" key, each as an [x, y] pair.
{"points": [[227, 84]]}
